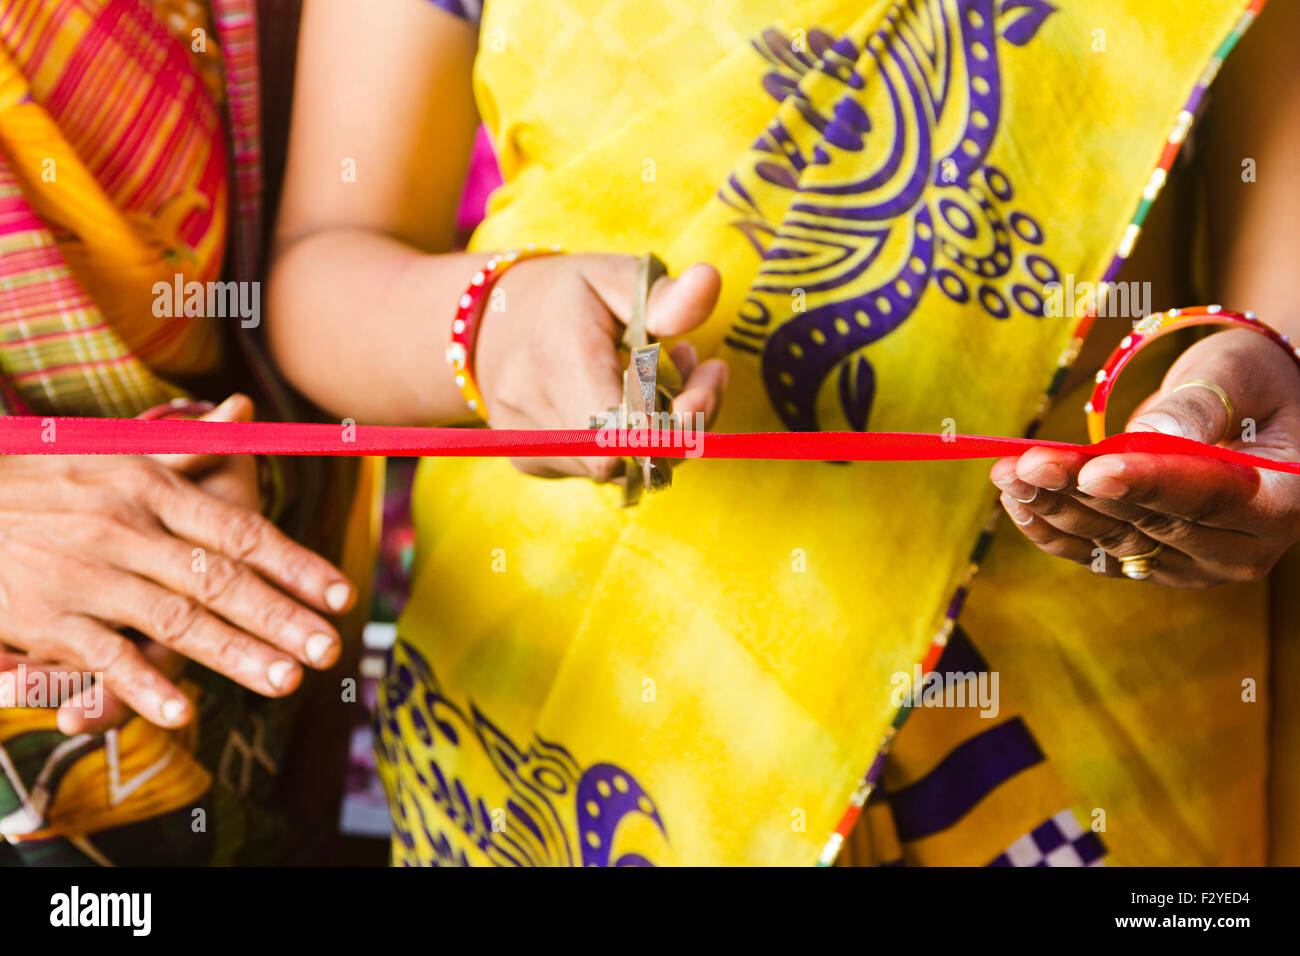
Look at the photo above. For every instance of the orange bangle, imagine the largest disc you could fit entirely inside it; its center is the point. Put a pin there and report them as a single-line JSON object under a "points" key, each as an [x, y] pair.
{"points": [[469, 310], [1156, 326]]}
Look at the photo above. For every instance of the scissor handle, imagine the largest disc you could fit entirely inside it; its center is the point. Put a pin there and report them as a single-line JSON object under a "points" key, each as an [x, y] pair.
{"points": [[649, 270]]}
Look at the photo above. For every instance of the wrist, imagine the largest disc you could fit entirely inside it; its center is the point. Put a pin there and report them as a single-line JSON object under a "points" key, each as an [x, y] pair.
{"points": [[480, 297]]}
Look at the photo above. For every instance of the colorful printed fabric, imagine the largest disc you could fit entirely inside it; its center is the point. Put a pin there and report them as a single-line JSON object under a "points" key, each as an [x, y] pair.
{"points": [[94, 219], [992, 777], [80, 84], [1060, 841], [236, 26], [886, 188], [56, 350]]}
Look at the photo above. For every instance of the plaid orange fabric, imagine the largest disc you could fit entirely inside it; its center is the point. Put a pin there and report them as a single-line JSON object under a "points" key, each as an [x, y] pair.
{"points": [[94, 211], [55, 347], [115, 175]]}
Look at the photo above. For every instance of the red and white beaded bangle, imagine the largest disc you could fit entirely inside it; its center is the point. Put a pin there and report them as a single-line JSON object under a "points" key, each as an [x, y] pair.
{"points": [[469, 311], [1155, 326]]}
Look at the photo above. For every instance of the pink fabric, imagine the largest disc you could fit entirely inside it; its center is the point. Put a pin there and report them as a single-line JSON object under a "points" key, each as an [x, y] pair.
{"points": [[484, 176], [236, 23]]}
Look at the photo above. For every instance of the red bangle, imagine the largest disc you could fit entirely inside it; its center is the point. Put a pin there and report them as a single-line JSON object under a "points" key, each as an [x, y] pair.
{"points": [[469, 310], [1156, 326]]}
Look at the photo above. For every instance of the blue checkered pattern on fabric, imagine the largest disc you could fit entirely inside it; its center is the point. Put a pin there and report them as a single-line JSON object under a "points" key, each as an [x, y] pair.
{"points": [[1060, 841]]}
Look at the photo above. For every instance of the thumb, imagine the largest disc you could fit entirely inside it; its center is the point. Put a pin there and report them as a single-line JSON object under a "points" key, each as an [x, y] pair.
{"points": [[236, 408], [1214, 385], [679, 305]]}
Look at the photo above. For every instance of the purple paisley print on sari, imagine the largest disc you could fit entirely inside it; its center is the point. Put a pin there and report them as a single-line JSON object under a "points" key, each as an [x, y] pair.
{"points": [[881, 210], [547, 788]]}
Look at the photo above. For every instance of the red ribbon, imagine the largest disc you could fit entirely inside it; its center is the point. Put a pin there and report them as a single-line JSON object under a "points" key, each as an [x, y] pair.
{"points": [[111, 436]]}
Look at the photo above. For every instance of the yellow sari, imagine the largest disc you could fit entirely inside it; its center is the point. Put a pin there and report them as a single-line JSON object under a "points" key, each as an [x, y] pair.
{"points": [[709, 678]]}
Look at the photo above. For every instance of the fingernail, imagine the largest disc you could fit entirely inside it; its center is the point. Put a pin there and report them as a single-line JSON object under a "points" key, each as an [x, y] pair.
{"points": [[1013, 511], [278, 674], [1050, 476], [1010, 484], [1103, 486], [172, 710], [317, 646], [338, 595], [1157, 422]]}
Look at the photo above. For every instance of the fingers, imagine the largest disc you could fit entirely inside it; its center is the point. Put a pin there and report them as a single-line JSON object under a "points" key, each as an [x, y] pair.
{"points": [[1191, 485], [1069, 523], [680, 305], [97, 709], [1070, 517], [1214, 493], [685, 358], [236, 408], [246, 536], [1051, 469], [599, 470], [92, 710], [231, 589], [1003, 474], [1138, 531], [1050, 539], [1173, 568], [702, 392], [121, 668], [10, 659], [676, 305], [1201, 490], [182, 624], [83, 705]]}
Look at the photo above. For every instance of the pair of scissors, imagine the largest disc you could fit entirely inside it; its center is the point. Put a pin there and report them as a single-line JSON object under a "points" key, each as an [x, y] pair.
{"points": [[650, 382]]}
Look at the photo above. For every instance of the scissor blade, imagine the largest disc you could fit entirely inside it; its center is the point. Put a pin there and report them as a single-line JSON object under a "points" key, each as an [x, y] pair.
{"points": [[641, 387]]}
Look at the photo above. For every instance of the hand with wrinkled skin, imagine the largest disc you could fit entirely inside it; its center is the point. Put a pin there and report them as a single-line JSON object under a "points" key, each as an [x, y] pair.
{"points": [[90, 546]]}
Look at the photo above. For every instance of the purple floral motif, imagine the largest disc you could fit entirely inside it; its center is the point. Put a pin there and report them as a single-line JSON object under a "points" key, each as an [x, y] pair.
{"points": [[880, 209], [547, 790]]}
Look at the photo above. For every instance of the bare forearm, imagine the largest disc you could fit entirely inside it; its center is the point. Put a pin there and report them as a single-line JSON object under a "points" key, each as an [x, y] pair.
{"points": [[359, 322], [361, 293]]}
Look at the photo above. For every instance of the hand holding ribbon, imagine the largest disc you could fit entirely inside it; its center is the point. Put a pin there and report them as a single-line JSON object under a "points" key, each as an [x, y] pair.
{"points": [[1214, 520]]}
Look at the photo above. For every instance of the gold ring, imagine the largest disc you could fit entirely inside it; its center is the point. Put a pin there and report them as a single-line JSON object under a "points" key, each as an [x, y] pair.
{"points": [[1223, 397], [1139, 567]]}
